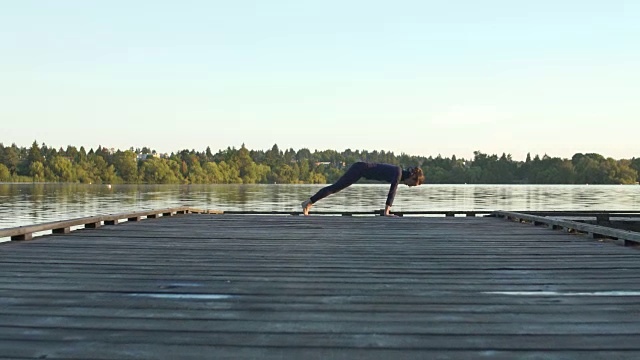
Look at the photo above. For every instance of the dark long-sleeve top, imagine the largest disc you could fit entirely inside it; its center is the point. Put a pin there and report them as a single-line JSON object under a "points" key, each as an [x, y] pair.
{"points": [[386, 172]]}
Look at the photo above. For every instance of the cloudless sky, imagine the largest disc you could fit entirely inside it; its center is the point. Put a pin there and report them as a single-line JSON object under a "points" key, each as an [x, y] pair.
{"points": [[419, 77]]}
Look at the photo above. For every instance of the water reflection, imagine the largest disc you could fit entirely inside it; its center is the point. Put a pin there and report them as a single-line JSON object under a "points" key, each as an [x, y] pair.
{"points": [[26, 204]]}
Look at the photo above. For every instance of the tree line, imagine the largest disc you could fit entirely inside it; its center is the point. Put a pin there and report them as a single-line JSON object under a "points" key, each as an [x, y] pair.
{"points": [[42, 163]]}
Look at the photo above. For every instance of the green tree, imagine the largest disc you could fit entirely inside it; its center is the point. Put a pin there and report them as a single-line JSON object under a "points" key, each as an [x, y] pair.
{"points": [[553, 171], [213, 173], [208, 154], [62, 168], [285, 175], [274, 157], [84, 173], [11, 158], [5, 175], [35, 155], [317, 178], [589, 169], [437, 175], [126, 166], [175, 169], [102, 171], [73, 153], [621, 172], [249, 171], [305, 170], [157, 171], [197, 175], [82, 154], [485, 168], [36, 170], [457, 174], [230, 173], [242, 165], [635, 165]]}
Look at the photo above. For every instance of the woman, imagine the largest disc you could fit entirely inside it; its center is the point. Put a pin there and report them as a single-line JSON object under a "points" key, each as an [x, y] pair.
{"points": [[393, 174]]}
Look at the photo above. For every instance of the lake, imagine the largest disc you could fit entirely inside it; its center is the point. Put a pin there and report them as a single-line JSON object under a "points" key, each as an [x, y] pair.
{"points": [[27, 204]]}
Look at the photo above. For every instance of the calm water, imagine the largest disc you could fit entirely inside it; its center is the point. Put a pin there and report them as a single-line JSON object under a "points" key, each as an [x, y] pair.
{"points": [[27, 204]]}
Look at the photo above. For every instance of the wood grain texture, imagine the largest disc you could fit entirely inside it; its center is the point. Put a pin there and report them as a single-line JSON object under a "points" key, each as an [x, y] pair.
{"points": [[200, 286]]}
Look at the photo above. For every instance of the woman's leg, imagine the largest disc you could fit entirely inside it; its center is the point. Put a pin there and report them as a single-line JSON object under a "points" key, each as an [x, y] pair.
{"points": [[353, 174]]}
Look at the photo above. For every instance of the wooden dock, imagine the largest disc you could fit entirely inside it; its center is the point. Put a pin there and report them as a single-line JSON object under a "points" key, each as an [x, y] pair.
{"points": [[201, 286]]}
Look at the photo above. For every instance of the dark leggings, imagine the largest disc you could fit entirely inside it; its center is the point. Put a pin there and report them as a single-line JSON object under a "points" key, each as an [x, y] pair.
{"points": [[353, 174]]}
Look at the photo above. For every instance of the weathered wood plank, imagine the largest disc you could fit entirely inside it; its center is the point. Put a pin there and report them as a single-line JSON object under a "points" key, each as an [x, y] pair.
{"points": [[221, 328], [73, 349], [364, 339]]}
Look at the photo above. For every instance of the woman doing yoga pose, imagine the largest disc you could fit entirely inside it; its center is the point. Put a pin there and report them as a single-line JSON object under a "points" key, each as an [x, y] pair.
{"points": [[393, 174]]}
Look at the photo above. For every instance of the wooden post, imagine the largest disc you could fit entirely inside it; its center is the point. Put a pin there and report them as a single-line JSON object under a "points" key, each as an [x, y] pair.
{"points": [[64, 230], [27, 236], [93, 225], [603, 219], [134, 218]]}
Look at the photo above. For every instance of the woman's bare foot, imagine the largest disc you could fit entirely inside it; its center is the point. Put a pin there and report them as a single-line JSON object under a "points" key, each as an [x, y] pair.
{"points": [[306, 205]]}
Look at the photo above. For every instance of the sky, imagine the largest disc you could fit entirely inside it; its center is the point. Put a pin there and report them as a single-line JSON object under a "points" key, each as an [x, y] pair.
{"points": [[417, 77]]}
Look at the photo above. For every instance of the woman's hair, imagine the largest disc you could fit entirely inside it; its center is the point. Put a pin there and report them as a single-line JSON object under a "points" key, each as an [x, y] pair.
{"points": [[416, 173]]}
